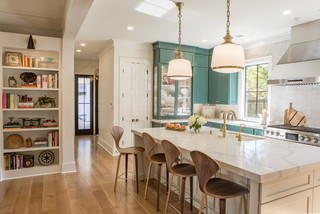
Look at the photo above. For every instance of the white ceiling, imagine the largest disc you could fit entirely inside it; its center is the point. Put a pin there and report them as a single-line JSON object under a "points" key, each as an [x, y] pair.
{"points": [[38, 17], [201, 19]]}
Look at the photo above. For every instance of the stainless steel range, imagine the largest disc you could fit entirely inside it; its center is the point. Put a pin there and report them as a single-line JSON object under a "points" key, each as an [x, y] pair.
{"points": [[310, 136]]}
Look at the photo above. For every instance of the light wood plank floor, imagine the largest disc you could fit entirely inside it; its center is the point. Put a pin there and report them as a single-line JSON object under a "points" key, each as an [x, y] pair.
{"points": [[89, 190]]}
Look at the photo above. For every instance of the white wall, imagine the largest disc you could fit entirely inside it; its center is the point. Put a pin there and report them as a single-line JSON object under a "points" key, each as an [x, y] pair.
{"points": [[86, 67], [109, 73]]}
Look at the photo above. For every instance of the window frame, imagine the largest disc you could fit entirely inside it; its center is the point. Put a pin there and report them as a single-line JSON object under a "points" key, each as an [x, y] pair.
{"points": [[242, 88]]}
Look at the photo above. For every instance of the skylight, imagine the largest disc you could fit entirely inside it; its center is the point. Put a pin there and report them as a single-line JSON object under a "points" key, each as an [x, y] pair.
{"points": [[155, 8]]}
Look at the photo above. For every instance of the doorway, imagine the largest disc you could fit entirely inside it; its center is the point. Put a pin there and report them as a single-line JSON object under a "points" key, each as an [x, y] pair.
{"points": [[84, 104]]}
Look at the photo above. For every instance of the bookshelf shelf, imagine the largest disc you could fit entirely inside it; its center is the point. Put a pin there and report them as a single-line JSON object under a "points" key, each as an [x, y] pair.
{"points": [[30, 109], [31, 68], [31, 129], [29, 89], [29, 149]]}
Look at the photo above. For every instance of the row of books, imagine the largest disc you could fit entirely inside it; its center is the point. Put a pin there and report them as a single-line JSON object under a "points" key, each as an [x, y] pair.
{"points": [[30, 61], [12, 161], [43, 81], [52, 140], [10, 100]]}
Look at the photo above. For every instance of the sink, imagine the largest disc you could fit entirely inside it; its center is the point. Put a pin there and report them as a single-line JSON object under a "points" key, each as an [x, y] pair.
{"points": [[244, 137]]}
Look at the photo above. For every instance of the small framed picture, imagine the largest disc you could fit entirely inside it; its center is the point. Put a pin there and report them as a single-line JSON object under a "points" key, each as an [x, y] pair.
{"points": [[208, 111], [13, 59]]}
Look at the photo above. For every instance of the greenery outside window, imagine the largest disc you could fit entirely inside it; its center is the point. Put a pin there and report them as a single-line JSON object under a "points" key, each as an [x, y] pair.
{"points": [[256, 89]]}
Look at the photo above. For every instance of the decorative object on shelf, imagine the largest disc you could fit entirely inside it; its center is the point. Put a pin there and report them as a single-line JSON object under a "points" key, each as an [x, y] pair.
{"points": [[31, 43], [46, 102], [28, 161], [49, 59], [28, 142], [196, 121], [13, 59], [14, 141], [228, 57], [28, 77], [208, 111], [179, 68], [25, 102], [31, 123], [49, 123], [40, 142], [46, 158], [175, 127], [12, 82], [11, 124]]}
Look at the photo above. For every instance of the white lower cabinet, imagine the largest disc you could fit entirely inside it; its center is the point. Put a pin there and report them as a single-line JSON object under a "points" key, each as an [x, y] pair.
{"points": [[316, 200], [294, 204]]}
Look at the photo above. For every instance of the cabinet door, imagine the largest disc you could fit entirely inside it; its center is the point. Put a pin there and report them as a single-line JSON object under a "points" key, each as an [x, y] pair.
{"points": [[214, 90], [188, 56], [259, 132], [201, 60], [316, 200], [223, 88], [297, 203], [200, 85], [167, 55], [233, 89]]}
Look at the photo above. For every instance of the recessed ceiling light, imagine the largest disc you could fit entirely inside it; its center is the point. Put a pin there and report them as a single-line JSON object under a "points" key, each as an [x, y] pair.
{"points": [[83, 44], [204, 40], [78, 51], [155, 7], [286, 12], [130, 28]]}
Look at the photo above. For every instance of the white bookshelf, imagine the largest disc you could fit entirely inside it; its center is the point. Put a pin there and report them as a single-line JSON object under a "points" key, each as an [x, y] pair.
{"points": [[37, 112]]}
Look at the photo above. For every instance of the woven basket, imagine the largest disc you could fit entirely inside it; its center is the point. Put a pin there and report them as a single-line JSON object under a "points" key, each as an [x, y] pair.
{"points": [[14, 141]]}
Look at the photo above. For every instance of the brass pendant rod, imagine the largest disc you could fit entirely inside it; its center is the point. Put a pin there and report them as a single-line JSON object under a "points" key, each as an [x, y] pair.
{"points": [[228, 37], [179, 5]]}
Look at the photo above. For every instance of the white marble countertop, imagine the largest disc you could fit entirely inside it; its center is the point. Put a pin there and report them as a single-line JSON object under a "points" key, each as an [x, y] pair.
{"points": [[216, 120], [256, 158]]}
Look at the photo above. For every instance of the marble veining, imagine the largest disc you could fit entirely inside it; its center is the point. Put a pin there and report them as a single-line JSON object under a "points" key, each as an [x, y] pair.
{"points": [[257, 158]]}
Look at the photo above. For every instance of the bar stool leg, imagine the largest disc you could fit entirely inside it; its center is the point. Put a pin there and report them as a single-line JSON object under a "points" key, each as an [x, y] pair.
{"points": [[168, 196], [158, 187], [245, 204], [148, 177], [191, 193], [137, 177], [201, 203], [206, 204], [183, 190], [167, 179], [126, 168], [143, 167], [117, 172], [222, 206]]}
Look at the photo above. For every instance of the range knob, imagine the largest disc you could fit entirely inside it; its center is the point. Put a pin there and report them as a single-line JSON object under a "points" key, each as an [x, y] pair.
{"points": [[272, 132], [301, 138], [308, 139], [315, 140], [267, 132], [277, 133]]}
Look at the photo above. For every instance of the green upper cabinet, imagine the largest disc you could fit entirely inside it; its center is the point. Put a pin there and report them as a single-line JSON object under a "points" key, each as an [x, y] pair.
{"points": [[201, 61], [200, 85]]}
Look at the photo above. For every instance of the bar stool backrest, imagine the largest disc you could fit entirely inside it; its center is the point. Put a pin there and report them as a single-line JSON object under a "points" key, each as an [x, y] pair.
{"points": [[117, 133], [149, 143], [205, 166], [171, 152]]}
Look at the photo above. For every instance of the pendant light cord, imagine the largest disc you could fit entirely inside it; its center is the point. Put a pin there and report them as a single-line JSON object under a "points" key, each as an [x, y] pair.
{"points": [[179, 5], [228, 16]]}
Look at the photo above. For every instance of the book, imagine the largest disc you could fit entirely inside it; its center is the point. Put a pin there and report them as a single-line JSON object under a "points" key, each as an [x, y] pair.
{"points": [[44, 81], [4, 100], [38, 81], [50, 81], [11, 101], [29, 61], [56, 81], [8, 100]]}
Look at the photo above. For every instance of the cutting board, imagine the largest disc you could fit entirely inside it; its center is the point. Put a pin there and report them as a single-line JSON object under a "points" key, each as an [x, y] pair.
{"points": [[297, 118], [287, 114]]}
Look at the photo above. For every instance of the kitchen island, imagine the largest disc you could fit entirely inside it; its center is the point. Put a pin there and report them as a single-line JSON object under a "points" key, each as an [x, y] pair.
{"points": [[283, 177]]}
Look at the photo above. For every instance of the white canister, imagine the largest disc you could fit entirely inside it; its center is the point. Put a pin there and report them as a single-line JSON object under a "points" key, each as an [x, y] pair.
{"points": [[221, 115]]}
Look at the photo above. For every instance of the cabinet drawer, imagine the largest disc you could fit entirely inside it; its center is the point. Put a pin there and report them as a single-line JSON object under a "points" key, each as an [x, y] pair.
{"points": [[259, 132], [248, 130], [317, 177], [232, 128], [281, 187]]}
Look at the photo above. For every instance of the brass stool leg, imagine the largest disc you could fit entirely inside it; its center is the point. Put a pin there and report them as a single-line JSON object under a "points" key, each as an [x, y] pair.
{"points": [[148, 177], [191, 193], [126, 168], [117, 172], [183, 190], [158, 187], [201, 203], [222, 206], [137, 177], [245, 204], [143, 167], [168, 196]]}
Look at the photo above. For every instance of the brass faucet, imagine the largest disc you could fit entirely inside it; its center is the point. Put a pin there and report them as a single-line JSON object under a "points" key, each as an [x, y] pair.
{"points": [[224, 121], [239, 134]]}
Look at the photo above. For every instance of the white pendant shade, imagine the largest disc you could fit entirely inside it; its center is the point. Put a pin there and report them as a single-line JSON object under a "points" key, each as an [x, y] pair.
{"points": [[179, 69], [228, 58]]}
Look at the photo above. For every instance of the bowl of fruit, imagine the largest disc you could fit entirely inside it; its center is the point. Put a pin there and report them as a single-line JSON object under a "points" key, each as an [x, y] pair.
{"points": [[175, 127]]}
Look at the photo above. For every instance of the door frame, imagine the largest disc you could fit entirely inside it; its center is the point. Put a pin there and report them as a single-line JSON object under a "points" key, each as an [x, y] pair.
{"points": [[87, 131]]}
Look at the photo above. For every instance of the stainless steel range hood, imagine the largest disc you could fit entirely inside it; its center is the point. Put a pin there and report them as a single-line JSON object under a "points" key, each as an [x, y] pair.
{"points": [[300, 65]]}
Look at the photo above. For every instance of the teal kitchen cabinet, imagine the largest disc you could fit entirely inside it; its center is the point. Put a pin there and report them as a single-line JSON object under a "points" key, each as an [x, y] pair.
{"points": [[244, 130], [201, 60], [259, 132], [200, 85]]}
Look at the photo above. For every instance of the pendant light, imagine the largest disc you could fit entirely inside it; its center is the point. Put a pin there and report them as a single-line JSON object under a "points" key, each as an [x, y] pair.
{"points": [[179, 68], [228, 57]]}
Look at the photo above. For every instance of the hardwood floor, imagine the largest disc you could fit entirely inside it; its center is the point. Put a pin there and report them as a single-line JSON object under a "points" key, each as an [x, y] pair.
{"points": [[89, 190]]}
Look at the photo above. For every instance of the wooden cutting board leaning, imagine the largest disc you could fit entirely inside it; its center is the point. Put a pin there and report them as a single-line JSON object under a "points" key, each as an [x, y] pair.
{"points": [[293, 117]]}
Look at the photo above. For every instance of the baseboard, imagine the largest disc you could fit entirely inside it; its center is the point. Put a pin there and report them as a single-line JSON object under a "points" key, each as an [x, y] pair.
{"points": [[106, 147], [68, 167]]}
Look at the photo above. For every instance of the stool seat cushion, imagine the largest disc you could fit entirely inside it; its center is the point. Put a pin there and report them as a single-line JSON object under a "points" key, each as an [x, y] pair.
{"points": [[158, 158], [132, 150], [221, 188], [184, 170]]}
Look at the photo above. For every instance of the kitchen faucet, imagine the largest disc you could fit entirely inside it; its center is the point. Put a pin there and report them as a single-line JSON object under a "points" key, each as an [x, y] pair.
{"points": [[224, 121]]}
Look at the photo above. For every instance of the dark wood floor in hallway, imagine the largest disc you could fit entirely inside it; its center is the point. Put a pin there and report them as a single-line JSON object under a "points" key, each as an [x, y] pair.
{"points": [[89, 190]]}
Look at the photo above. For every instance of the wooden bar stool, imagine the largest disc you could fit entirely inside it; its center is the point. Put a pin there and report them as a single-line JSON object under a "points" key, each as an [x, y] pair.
{"points": [[220, 188], [182, 170], [117, 133], [159, 159]]}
